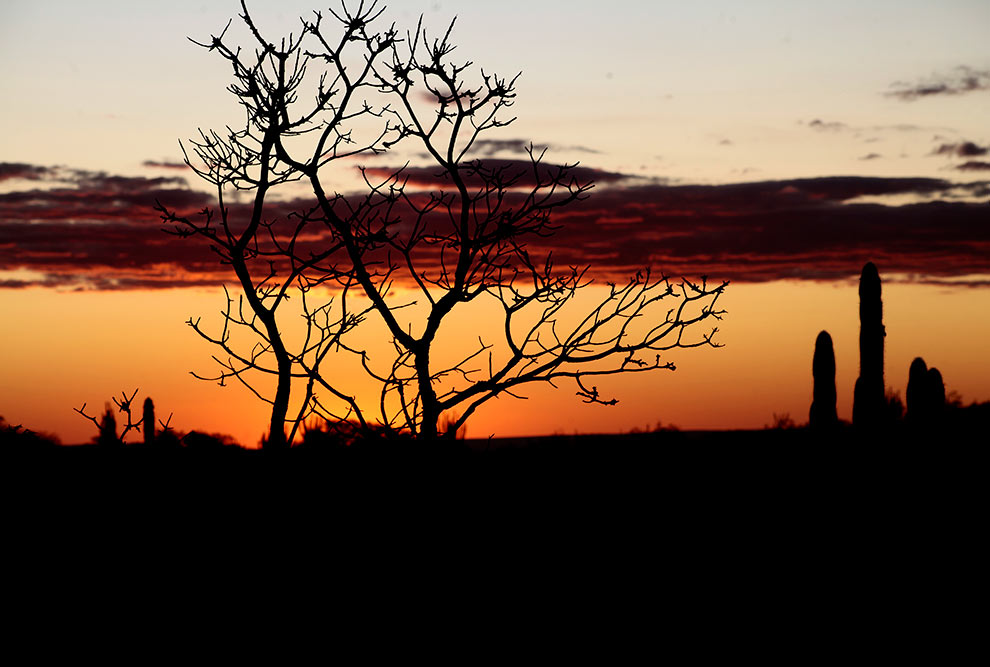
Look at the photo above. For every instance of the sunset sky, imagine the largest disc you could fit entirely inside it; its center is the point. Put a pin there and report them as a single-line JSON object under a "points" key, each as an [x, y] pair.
{"points": [[777, 145]]}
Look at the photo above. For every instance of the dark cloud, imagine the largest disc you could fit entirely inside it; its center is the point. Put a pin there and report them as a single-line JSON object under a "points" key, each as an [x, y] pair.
{"points": [[163, 165], [974, 165], [961, 80], [858, 131], [871, 156], [490, 147], [100, 231], [581, 149], [833, 126], [962, 149], [520, 170], [810, 229], [12, 170], [830, 188]]}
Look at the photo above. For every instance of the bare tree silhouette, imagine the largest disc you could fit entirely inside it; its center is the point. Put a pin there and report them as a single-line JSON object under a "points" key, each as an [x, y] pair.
{"points": [[465, 238], [261, 250]]}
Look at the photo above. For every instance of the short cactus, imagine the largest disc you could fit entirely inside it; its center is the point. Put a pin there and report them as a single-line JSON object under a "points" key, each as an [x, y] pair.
{"points": [[917, 390], [148, 422], [823, 414], [925, 394], [935, 393]]}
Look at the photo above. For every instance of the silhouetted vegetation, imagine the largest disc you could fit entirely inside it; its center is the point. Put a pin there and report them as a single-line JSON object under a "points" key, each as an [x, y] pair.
{"points": [[16, 437], [327, 458], [108, 429], [925, 395], [148, 420], [868, 398], [893, 407], [917, 391], [464, 236], [106, 425], [934, 394], [928, 412], [931, 417], [823, 415]]}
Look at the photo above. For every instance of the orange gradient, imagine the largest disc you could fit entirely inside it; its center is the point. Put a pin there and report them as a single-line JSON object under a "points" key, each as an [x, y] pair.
{"points": [[61, 349]]}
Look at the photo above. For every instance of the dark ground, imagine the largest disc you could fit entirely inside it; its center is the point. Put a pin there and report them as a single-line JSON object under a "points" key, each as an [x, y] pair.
{"points": [[694, 469], [771, 543]]}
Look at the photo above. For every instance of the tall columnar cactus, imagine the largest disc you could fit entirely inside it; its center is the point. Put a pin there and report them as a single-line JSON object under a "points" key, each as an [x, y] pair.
{"points": [[869, 401], [823, 414], [917, 390], [148, 422]]}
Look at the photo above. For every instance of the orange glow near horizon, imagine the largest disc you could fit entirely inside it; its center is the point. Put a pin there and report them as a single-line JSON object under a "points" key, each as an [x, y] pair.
{"points": [[65, 348], [868, 143]]}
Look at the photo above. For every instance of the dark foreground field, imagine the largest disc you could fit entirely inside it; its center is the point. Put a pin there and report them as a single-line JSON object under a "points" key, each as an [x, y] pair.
{"points": [[782, 542], [689, 469]]}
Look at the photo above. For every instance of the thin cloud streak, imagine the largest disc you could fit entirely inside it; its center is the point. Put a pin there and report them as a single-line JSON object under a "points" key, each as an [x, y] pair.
{"points": [[830, 126], [961, 149], [155, 164], [18, 170], [523, 173], [962, 80], [491, 147], [974, 165]]}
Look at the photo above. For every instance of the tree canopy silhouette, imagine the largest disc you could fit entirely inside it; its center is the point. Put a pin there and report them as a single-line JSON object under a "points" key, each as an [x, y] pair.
{"points": [[322, 96]]}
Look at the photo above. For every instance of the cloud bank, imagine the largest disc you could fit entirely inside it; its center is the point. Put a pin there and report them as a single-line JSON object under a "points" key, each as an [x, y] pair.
{"points": [[90, 230]]}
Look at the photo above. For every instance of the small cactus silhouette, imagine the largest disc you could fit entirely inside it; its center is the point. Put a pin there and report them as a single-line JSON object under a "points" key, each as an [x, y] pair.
{"points": [[148, 421], [925, 394], [823, 414], [934, 394], [917, 390], [108, 429], [868, 401]]}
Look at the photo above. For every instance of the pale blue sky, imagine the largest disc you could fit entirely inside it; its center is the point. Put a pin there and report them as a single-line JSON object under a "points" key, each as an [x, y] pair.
{"points": [[709, 91]]}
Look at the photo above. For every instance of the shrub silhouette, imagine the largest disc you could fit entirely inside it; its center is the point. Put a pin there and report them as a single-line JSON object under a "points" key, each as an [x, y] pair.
{"points": [[893, 407], [208, 442], [107, 425], [823, 414], [108, 429], [869, 404], [934, 394], [16, 438]]}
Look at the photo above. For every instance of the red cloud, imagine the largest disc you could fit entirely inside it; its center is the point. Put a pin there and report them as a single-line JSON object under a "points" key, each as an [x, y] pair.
{"points": [[98, 231], [522, 172]]}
